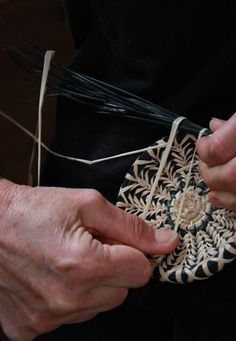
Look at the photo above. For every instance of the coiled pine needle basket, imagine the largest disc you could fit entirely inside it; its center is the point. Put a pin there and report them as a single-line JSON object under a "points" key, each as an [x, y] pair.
{"points": [[206, 233]]}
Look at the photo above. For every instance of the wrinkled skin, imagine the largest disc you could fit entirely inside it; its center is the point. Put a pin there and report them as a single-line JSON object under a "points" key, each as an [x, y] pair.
{"points": [[218, 166], [66, 255]]}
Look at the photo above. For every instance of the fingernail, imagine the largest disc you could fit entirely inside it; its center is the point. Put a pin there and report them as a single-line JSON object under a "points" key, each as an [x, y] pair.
{"points": [[217, 119], [165, 236]]}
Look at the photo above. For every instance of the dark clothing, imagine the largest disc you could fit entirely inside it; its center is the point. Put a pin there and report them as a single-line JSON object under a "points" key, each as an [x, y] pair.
{"points": [[182, 56]]}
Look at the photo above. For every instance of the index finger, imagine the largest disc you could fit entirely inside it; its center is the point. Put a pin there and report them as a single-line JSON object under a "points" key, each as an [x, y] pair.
{"points": [[220, 147]]}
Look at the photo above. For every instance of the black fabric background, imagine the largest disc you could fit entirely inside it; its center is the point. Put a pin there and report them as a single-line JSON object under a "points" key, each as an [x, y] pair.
{"points": [[182, 56]]}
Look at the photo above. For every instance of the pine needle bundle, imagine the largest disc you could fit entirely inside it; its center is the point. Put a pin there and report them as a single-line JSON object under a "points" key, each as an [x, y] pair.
{"points": [[100, 96]]}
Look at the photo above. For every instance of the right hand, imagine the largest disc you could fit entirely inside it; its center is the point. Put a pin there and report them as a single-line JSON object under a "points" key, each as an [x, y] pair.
{"points": [[218, 167], [53, 270]]}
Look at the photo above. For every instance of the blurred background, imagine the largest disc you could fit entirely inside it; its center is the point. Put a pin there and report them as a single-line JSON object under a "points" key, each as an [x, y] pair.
{"points": [[43, 23]]}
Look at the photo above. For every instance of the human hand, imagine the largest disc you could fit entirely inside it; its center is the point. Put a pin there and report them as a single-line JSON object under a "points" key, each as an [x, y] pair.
{"points": [[218, 166], [53, 270]]}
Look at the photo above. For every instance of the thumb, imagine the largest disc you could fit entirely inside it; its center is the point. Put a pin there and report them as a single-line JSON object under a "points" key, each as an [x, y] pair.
{"points": [[218, 148], [216, 123], [116, 224]]}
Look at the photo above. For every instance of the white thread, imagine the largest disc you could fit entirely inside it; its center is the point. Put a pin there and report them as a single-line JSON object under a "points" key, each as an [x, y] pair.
{"points": [[80, 160], [31, 162], [46, 66], [71, 158], [202, 132], [162, 164]]}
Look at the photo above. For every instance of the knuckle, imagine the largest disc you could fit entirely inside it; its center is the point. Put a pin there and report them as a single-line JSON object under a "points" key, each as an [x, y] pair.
{"points": [[217, 152], [70, 265], [146, 273], [58, 305], [40, 323], [134, 222], [206, 175], [91, 202], [64, 262], [64, 302], [92, 197], [138, 231], [116, 300], [35, 320], [120, 297], [207, 179], [202, 169], [230, 175]]}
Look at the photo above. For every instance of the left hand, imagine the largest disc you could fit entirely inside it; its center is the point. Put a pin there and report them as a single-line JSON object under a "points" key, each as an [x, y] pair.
{"points": [[218, 167]]}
